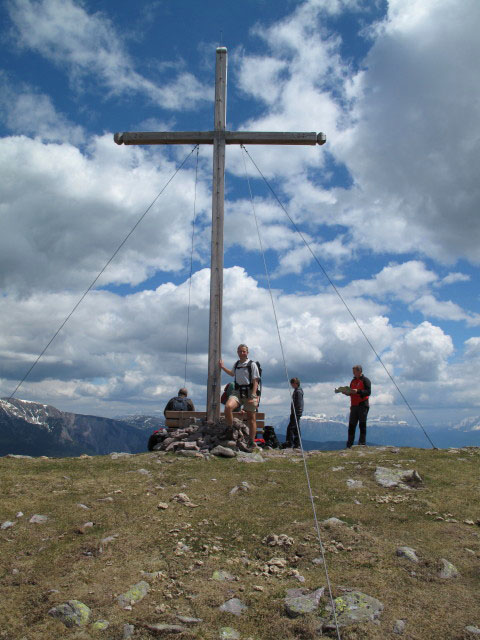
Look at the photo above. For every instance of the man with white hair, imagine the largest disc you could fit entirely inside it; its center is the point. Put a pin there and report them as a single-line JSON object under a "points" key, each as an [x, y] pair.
{"points": [[359, 392]]}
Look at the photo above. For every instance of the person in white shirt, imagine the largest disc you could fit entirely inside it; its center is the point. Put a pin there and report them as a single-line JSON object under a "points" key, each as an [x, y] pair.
{"points": [[247, 376]]}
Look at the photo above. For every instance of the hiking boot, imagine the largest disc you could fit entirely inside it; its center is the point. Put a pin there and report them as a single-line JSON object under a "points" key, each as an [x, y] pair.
{"points": [[246, 447]]}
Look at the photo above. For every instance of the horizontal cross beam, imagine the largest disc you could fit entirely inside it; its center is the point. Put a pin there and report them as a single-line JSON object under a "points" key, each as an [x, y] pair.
{"points": [[230, 137]]}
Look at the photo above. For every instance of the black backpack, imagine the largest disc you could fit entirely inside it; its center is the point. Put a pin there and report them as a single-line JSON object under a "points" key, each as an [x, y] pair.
{"points": [[270, 437], [249, 368], [179, 403]]}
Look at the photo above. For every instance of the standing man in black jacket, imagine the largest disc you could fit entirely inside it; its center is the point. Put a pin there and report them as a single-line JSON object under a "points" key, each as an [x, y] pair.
{"points": [[293, 429]]}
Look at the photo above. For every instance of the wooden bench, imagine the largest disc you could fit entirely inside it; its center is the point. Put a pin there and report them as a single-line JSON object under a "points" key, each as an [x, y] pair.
{"points": [[181, 419]]}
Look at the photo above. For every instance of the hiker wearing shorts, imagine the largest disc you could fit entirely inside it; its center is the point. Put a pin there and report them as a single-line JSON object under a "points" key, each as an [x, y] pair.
{"points": [[246, 374]]}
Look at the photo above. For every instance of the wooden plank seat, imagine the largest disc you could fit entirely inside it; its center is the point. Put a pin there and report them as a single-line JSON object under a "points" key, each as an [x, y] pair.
{"points": [[181, 419]]}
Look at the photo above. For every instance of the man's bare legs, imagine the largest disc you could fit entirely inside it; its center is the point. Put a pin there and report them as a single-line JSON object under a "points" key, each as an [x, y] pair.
{"points": [[252, 425], [231, 406]]}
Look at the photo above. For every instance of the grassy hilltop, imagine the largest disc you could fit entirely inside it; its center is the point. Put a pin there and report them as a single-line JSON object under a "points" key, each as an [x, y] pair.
{"points": [[140, 534]]}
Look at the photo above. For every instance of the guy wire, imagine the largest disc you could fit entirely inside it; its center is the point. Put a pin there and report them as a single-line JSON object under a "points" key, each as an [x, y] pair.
{"points": [[191, 263], [341, 298], [317, 526], [100, 273]]}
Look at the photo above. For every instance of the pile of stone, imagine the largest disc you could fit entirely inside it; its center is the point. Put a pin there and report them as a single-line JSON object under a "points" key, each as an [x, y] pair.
{"points": [[202, 437]]}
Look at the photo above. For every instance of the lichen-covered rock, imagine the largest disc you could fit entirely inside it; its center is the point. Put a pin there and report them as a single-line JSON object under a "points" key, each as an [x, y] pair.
{"points": [[473, 630], [38, 519], [333, 522], [403, 478], [353, 607], [222, 576], [242, 487], [354, 484], [234, 606], [136, 593], [448, 570], [299, 602], [407, 552], [72, 613], [100, 625], [228, 633], [255, 456]]}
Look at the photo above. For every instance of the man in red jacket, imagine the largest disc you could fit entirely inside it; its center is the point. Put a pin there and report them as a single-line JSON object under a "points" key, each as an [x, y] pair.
{"points": [[359, 392]]}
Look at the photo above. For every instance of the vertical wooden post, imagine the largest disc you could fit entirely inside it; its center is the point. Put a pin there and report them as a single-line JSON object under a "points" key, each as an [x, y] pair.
{"points": [[216, 268]]}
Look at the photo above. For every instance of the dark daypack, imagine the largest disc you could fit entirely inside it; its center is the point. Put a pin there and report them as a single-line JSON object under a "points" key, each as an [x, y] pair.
{"points": [[270, 437], [179, 403], [249, 368]]}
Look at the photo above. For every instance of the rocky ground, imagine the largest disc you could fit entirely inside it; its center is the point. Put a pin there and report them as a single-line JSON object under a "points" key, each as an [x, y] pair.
{"points": [[227, 545]]}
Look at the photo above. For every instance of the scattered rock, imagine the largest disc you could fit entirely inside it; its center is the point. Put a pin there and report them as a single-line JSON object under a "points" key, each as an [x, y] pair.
{"points": [[100, 625], [186, 453], [448, 570], [7, 524], [189, 620], [299, 602], [354, 484], [82, 530], [474, 631], [243, 486], [353, 608], [18, 456], [332, 522], [182, 498], [281, 540], [222, 576], [403, 478], [162, 629], [128, 631], [115, 456], [255, 456], [227, 633], [407, 552], [134, 594], [162, 505], [223, 452], [72, 613], [106, 541], [38, 519], [399, 627], [234, 606]]}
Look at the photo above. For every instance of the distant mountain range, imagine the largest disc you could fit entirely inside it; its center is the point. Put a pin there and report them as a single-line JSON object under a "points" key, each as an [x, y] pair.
{"points": [[384, 430], [31, 428], [35, 429]]}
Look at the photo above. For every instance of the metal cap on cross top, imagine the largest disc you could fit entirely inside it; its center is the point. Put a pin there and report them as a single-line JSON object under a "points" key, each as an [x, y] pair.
{"points": [[219, 138]]}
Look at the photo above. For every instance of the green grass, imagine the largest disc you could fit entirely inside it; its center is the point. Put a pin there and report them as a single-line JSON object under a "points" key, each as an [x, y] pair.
{"points": [[47, 564]]}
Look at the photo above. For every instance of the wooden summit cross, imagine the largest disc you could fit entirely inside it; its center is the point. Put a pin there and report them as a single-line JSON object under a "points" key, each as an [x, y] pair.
{"points": [[219, 137]]}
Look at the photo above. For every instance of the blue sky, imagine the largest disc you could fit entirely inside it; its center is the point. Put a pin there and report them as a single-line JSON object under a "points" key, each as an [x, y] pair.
{"points": [[390, 205]]}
